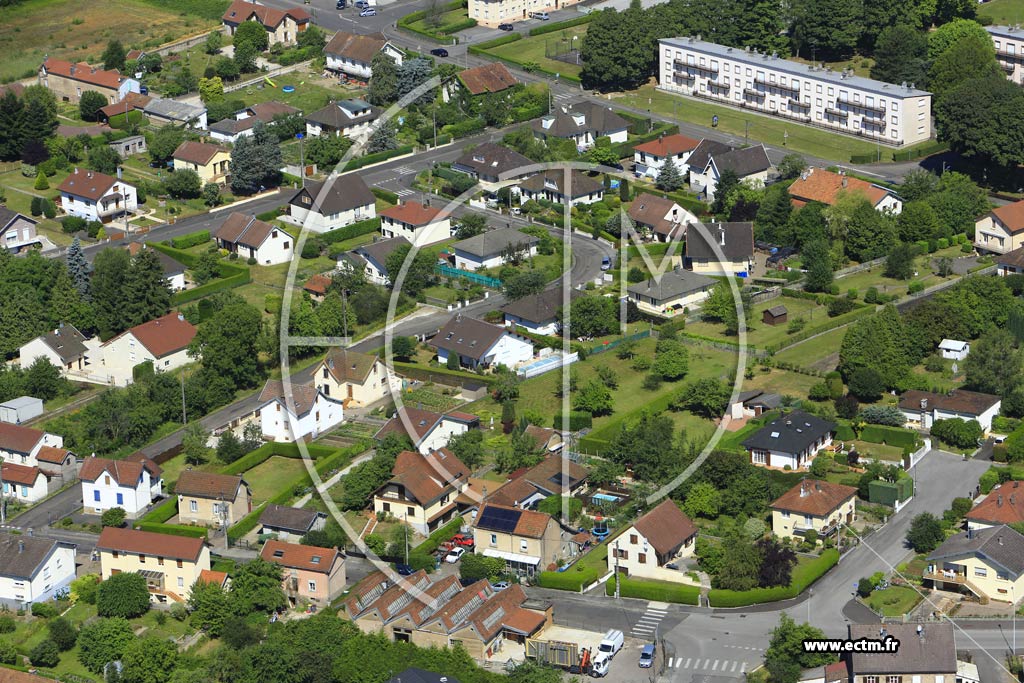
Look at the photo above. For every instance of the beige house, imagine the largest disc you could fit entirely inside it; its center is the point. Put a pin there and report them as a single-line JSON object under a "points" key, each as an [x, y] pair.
{"points": [[358, 379], [163, 342], [671, 293], [988, 563], [1001, 230], [212, 500], [527, 540], [423, 489], [734, 240], [924, 653], [68, 80], [283, 26], [170, 564], [494, 12], [811, 504], [310, 574], [653, 542], [210, 162]]}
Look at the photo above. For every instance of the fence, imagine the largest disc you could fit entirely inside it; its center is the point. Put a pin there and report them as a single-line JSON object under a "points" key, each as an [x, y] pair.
{"points": [[259, 82], [476, 278], [859, 268], [766, 295], [184, 43], [608, 346]]}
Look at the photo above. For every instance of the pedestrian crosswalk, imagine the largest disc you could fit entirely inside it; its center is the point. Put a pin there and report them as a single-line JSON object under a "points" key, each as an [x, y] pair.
{"points": [[709, 665], [405, 192], [647, 625]]}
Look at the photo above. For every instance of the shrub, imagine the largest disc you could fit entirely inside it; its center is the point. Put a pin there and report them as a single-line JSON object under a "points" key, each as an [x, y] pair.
{"points": [[43, 610], [191, 239], [72, 224], [46, 654], [819, 392], [915, 287], [114, 516], [956, 432], [84, 588], [7, 624], [803, 576], [662, 591], [839, 306], [8, 653], [179, 612], [123, 595], [63, 633]]}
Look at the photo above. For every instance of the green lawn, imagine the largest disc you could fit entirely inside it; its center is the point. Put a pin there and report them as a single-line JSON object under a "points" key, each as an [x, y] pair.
{"points": [[813, 351], [770, 130], [777, 381], [311, 91], [449, 18], [762, 335], [1003, 12], [536, 48], [893, 602], [880, 451], [266, 479], [875, 277]]}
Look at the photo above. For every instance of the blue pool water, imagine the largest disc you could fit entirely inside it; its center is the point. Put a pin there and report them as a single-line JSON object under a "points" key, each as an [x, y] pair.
{"points": [[605, 498]]}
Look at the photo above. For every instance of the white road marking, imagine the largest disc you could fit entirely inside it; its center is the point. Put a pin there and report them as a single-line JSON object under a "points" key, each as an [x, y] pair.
{"points": [[734, 665], [688, 660], [743, 669], [715, 667], [670, 660]]}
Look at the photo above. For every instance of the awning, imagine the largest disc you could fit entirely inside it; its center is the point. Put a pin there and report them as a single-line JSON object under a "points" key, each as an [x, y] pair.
{"points": [[512, 557]]}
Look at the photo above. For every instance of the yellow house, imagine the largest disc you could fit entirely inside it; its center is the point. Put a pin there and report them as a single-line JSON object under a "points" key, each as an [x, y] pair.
{"points": [[812, 504], [170, 564], [986, 562], [1000, 230], [358, 379], [422, 489], [211, 162], [920, 653], [652, 546], [527, 540], [212, 499]]}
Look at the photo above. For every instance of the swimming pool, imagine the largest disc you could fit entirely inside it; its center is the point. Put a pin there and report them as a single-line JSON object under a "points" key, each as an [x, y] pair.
{"points": [[605, 498], [546, 364]]}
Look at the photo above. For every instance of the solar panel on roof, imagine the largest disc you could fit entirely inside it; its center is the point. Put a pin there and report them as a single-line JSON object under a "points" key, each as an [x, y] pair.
{"points": [[559, 479], [498, 519]]}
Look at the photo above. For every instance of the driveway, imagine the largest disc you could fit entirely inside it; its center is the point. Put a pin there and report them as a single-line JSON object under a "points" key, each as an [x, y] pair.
{"points": [[55, 508]]}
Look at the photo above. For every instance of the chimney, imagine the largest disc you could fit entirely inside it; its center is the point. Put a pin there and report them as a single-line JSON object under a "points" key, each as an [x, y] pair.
{"points": [[21, 546], [181, 317], [721, 235], [803, 489], [72, 69], [1000, 539], [119, 173]]}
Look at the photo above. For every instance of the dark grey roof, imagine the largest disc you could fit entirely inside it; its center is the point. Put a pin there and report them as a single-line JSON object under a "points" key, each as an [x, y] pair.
{"points": [[414, 675], [539, 308], [467, 336], [295, 520], [776, 311], [597, 119], [743, 162], [792, 433], [22, 556], [580, 183], [378, 252], [347, 192], [1011, 32], [344, 113], [493, 242], [759, 397], [7, 217], [173, 109], [776, 63], [703, 152], [736, 240], [933, 652], [672, 285], [66, 341], [1000, 544], [170, 264], [491, 159]]}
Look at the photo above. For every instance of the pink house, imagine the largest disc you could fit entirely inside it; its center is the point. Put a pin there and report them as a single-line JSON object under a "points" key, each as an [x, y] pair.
{"points": [[310, 574]]}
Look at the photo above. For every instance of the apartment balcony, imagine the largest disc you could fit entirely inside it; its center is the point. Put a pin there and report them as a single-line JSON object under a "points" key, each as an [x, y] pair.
{"points": [[680, 66], [860, 107], [753, 94], [1015, 55], [836, 113], [777, 86], [684, 79], [719, 88], [1007, 67]]}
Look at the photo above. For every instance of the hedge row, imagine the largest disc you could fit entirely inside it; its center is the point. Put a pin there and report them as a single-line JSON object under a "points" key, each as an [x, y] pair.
{"points": [[377, 157], [893, 436], [172, 529], [350, 231], [133, 118], [267, 450], [600, 439], [923, 150], [191, 239], [803, 576], [432, 374], [457, 26], [247, 523], [662, 591], [466, 127], [162, 512], [521, 64], [558, 26], [480, 48], [231, 275], [384, 195], [844, 432], [689, 202], [578, 419]]}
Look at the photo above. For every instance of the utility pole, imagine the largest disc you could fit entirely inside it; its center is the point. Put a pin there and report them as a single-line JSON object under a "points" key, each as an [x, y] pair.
{"points": [[184, 416], [746, 132], [616, 570], [302, 161]]}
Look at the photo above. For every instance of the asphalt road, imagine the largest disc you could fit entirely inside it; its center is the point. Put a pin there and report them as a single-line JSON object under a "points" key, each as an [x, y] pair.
{"points": [[65, 503]]}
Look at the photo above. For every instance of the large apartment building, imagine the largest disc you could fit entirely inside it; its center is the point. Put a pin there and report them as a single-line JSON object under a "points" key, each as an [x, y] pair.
{"points": [[1009, 44], [895, 115]]}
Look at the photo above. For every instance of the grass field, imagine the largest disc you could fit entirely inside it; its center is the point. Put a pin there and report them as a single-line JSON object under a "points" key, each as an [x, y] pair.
{"points": [[1003, 11], [449, 18], [80, 29], [893, 602], [782, 382], [875, 277], [534, 49], [814, 352], [267, 478], [763, 335], [880, 451], [311, 91]]}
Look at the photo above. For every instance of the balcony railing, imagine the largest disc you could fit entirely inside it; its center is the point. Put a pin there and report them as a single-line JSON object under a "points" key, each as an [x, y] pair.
{"points": [[680, 66], [719, 87], [756, 94], [860, 106], [837, 113], [1002, 53], [777, 86], [948, 577]]}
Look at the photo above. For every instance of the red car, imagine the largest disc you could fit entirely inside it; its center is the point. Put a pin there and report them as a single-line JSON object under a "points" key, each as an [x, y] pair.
{"points": [[463, 540]]}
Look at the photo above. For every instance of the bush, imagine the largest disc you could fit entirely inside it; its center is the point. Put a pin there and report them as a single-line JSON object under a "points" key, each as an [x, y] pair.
{"points": [[819, 392], [8, 653], [43, 610], [662, 591], [63, 633], [179, 612], [72, 224], [123, 595], [956, 432], [560, 25], [577, 420], [191, 239], [7, 624], [803, 576], [311, 249], [46, 654], [114, 516], [85, 587], [840, 306]]}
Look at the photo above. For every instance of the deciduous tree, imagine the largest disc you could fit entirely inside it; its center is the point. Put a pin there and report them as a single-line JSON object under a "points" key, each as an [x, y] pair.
{"points": [[123, 595], [982, 118]]}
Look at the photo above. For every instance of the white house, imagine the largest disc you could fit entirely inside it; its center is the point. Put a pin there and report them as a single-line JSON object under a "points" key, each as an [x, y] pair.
{"points": [[1010, 263], [663, 218], [494, 248], [332, 204], [17, 231], [671, 293], [479, 344], [750, 164], [350, 118], [63, 346], [657, 539], [96, 196], [550, 186], [163, 342], [24, 445], [303, 412], [954, 349], [819, 185], [420, 224], [245, 120], [372, 259], [352, 53], [650, 157], [33, 569], [358, 379], [583, 123], [23, 483], [130, 484], [923, 408], [791, 440], [252, 238], [428, 430], [538, 313]]}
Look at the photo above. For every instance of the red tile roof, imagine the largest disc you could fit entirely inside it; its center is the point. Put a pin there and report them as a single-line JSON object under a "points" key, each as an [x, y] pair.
{"points": [[19, 439], [57, 456], [240, 11], [1011, 215], [20, 474], [493, 77], [162, 336], [83, 72], [819, 185], [428, 477], [89, 184], [149, 543], [524, 621], [668, 145], [125, 473], [317, 284], [131, 102], [209, 485], [246, 230], [813, 497], [199, 153], [154, 469], [1004, 505], [307, 557], [412, 213], [216, 578], [665, 527]]}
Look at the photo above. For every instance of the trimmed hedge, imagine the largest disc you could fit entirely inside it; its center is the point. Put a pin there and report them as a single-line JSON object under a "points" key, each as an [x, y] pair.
{"points": [[466, 127], [431, 374], [923, 150], [844, 432], [231, 275], [384, 195], [662, 591], [377, 157], [133, 118], [803, 576], [268, 450], [247, 523], [172, 529], [162, 512], [350, 231], [457, 26], [578, 419], [191, 239], [551, 28], [893, 436], [480, 48]]}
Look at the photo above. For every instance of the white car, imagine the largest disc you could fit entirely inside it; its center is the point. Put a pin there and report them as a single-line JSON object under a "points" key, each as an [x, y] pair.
{"points": [[454, 555]]}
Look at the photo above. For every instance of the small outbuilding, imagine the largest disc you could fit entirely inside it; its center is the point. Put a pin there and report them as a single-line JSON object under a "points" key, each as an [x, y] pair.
{"points": [[954, 349], [776, 315], [21, 409]]}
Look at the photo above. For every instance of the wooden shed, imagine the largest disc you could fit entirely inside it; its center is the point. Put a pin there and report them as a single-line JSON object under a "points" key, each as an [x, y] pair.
{"points": [[776, 315]]}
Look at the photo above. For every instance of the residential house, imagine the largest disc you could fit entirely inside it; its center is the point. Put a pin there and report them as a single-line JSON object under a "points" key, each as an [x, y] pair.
{"points": [[812, 504], [212, 500], [673, 292], [583, 123], [24, 445], [1003, 505], [129, 146], [352, 53], [287, 523], [1010, 263], [310, 574], [701, 155], [64, 347], [663, 218], [418, 223], [33, 569], [650, 157], [754, 403], [479, 344], [167, 112], [1009, 44], [230, 129], [170, 564], [25, 484], [163, 342], [651, 543], [792, 439], [298, 412], [96, 196], [428, 430], [220, 579], [283, 26], [372, 259], [332, 204], [923, 408], [59, 464], [800, 93], [131, 485], [490, 163], [68, 80], [547, 439], [925, 653], [954, 349], [212, 163], [494, 248], [988, 563], [358, 379], [750, 164], [550, 185], [734, 240], [1001, 230], [487, 78], [819, 185], [555, 475], [350, 118], [527, 540], [174, 270], [538, 313], [251, 238], [17, 231], [422, 490]]}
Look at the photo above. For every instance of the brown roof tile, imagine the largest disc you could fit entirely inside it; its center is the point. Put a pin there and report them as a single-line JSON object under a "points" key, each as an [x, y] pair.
{"points": [[303, 395], [956, 401], [652, 210], [149, 543], [295, 520], [356, 47], [139, 457], [349, 366], [163, 336], [49, 454], [1011, 215], [814, 497], [428, 477], [413, 213], [668, 145], [529, 523], [317, 284], [819, 185], [524, 621], [493, 77], [308, 557], [89, 184], [1004, 505], [240, 11], [209, 485], [490, 618], [666, 527], [125, 473], [211, 576], [199, 153], [19, 439], [19, 474], [246, 230], [83, 72], [364, 593]]}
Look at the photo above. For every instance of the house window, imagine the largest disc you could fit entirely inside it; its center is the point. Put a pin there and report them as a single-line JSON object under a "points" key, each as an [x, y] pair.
{"points": [[160, 561], [120, 499], [181, 582], [179, 564], [312, 586], [642, 558], [622, 554], [808, 519], [386, 507], [785, 514], [193, 506], [113, 554], [980, 571], [411, 510], [95, 495], [869, 679], [523, 546], [894, 679], [142, 559], [632, 539], [286, 245], [494, 539]]}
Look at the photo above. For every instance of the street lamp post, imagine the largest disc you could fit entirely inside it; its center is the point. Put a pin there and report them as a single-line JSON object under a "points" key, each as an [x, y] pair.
{"points": [[302, 161]]}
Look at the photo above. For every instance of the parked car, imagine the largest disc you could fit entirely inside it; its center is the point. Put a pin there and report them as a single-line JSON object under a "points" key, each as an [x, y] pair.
{"points": [[506, 27], [454, 555], [599, 669], [340, 4], [439, 52], [606, 263], [362, 4], [368, 12], [543, 16], [499, 585], [404, 569], [611, 643], [463, 540], [647, 656]]}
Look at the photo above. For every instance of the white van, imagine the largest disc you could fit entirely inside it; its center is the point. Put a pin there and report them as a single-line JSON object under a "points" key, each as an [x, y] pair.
{"points": [[611, 643]]}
